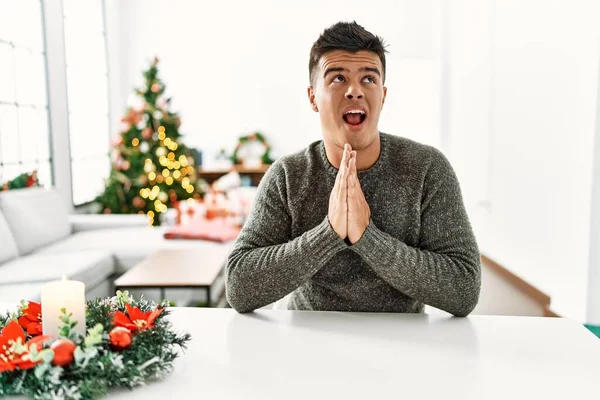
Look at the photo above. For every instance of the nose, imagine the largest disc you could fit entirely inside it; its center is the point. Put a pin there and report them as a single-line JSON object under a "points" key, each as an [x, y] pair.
{"points": [[354, 92]]}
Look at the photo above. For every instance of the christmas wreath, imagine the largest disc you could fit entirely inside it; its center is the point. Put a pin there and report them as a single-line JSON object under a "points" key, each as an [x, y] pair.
{"points": [[127, 343], [24, 180], [243, 140]]}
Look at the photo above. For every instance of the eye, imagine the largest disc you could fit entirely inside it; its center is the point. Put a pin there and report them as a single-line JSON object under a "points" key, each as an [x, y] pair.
{"points": [[338, 78], [369, 79]]}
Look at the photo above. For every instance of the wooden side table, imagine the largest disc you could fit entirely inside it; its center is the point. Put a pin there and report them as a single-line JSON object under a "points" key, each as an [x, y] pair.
{"points": [[183, 269]]}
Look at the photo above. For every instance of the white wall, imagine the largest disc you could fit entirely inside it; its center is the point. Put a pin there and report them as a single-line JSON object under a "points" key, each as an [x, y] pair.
{"points": [[536, 89], [593, 295], [233, 67]]}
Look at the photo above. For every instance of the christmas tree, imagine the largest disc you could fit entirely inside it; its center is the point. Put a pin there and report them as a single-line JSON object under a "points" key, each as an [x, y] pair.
{"points": [[151, 168]]}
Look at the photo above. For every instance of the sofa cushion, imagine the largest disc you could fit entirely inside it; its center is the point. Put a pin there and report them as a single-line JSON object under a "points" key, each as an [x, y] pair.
{"points": [[8, 247], [89, 222], [36, 217], [89, 267], [128, 245], [12, 294]]}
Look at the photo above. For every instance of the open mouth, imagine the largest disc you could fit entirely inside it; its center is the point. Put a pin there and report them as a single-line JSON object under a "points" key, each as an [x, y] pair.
{"points": [[355, 118]]}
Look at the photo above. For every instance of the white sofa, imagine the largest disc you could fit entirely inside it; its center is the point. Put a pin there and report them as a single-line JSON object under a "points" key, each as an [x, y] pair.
{"points": [[40, 242]]}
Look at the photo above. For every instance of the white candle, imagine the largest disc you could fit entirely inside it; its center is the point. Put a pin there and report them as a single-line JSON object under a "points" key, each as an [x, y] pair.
{"points": [[62, 294]]}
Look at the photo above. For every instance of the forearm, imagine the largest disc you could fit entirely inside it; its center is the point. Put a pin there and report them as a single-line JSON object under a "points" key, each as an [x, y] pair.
{"points": [[259, 275], [449, 280]]}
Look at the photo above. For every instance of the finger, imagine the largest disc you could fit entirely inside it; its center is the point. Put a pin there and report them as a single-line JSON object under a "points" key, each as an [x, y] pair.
{"points": [[347, 162], [351, 176], [353, 157], [340, 175], [343, 196], [345, 155], [343, 184], [341, 169]]}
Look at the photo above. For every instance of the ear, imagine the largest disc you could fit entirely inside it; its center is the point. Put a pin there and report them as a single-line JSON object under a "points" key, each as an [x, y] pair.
{"points": [[384, 94], [311, 98]]}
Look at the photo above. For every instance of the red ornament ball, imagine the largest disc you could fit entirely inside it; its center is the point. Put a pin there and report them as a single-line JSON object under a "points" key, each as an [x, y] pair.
{"points": [[63, 352], [138, 202], [147, 133], [120, 337]]}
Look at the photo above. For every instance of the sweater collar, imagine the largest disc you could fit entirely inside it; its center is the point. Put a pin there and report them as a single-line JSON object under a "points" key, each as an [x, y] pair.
{"points": [[374, 168]]}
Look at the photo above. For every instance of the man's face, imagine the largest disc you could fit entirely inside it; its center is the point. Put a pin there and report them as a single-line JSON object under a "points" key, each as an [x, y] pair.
{"points": [[348, 94]]}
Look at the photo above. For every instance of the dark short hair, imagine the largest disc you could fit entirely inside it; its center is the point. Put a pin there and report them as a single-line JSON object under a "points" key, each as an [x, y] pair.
{"points": [[348, 36]]}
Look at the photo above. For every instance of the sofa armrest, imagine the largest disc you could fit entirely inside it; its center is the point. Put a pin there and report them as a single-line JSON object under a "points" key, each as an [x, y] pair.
{"points": [[86, 222]]}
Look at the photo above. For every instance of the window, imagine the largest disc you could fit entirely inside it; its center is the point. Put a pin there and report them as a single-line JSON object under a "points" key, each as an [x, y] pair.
{"points": [[24, 123], [87, 86]]}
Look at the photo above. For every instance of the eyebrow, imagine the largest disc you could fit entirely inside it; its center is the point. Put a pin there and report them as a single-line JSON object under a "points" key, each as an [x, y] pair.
{"points": [[340, 69]]}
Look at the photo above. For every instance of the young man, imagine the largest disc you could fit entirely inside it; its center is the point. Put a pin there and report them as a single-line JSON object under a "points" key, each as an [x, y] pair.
{"points": [[362, 220]]}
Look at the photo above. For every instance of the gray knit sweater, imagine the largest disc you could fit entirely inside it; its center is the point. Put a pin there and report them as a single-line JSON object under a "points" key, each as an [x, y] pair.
{"points": [[418, 249]]}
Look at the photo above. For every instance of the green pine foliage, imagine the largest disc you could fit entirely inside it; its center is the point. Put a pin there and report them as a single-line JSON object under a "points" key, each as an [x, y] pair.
{"points": [[151, 167], [98, 366]]}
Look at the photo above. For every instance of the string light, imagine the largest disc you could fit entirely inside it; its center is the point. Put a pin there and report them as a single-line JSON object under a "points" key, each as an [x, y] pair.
{"points": [[171, 156], [151, 217], [189, 189], [161, 136], [135, 142], [148, 166], [159, 179], [185, 182], [171, 165], [169, 180], [176, 165], [176, 174], [167, 142], [154, 192], [162, 160], [183, 160], [152, 176], [173, 146], [165, 172]]}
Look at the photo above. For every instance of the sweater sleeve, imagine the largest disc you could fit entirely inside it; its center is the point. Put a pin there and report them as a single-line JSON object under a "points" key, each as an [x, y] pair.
{"points": [[266, 263], [444, 271]]}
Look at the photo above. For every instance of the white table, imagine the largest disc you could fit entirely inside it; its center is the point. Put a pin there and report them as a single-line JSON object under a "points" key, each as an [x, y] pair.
{"points": [[273, 354]]}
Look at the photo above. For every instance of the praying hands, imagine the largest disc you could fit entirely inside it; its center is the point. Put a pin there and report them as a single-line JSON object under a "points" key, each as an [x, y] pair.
{"points": [[349, 214]]}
